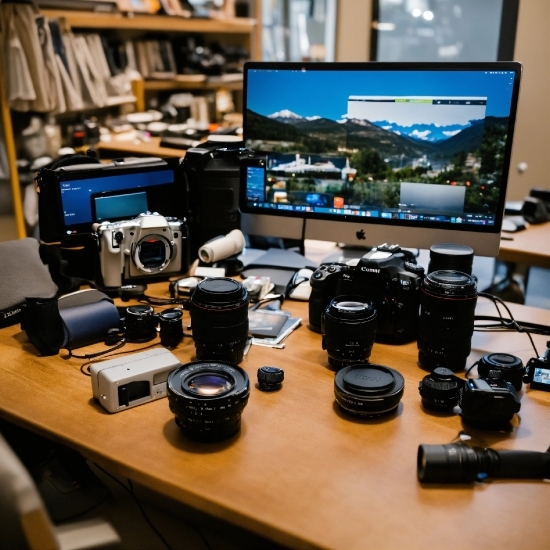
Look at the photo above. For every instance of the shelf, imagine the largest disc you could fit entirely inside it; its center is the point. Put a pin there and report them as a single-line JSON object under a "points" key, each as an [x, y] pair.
{"points": [[175, 84], [153, 23]]}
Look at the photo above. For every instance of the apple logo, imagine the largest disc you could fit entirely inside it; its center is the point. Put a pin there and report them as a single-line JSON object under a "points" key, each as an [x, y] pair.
{"points": [[361, 235]]}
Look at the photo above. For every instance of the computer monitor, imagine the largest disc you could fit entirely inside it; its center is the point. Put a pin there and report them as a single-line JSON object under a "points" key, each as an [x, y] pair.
{"points": [[364, 153]]}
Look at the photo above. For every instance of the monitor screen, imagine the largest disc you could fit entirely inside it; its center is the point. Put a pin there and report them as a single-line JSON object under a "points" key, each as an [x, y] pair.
{"points": [[402, 145]]}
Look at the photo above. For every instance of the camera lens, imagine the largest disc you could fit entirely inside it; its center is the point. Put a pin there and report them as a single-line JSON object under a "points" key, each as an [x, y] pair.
{"points": [[446, 324], [454, 257], [440, 390], [141, 324], [208, 398], [509, 366], [219, 318], [368, 390], [349, 328], [171, 327]]}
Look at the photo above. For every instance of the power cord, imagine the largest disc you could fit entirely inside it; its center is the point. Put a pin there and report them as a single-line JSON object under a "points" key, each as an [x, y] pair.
{"points": [[508, 323], [131, 492]]}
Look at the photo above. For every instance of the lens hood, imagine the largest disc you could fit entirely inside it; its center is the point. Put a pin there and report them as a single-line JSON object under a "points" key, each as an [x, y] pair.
{"points": [[368, 390], [208, 398]]}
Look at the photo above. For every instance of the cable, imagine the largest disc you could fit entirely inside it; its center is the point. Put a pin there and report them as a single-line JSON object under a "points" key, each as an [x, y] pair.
{"points": [[97, 354], [86, 372], [138, 504], [509, 323]]}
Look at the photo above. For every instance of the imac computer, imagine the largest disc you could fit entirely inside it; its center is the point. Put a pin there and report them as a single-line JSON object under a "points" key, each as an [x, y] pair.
{"points": [[365, 153]]}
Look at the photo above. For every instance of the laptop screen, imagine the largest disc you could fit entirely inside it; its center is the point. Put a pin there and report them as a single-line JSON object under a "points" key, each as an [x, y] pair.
{"points": [[420, 144]]}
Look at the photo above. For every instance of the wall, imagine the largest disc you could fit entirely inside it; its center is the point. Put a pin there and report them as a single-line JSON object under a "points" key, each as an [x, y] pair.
{"points": [[532, 135]]}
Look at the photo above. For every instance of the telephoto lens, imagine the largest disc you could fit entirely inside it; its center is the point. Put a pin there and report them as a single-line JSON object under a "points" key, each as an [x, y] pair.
{"points": [[510, 367], [368, 390], [349, 329], [446, 324], [141, 324], [440, 390], [171, 327], [219, 319], [454, 257], [458, 463], [208, 398]]}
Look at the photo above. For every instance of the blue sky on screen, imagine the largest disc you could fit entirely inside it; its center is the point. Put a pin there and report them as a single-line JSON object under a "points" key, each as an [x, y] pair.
{"points": [[325, 93]]}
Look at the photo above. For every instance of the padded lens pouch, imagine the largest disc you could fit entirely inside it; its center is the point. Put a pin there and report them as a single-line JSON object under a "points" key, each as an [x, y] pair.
{"points": [[73, 321], [22, 274]]}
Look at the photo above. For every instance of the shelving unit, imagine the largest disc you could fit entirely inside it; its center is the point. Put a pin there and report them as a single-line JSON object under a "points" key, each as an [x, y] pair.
{"points": [[243, 32]]}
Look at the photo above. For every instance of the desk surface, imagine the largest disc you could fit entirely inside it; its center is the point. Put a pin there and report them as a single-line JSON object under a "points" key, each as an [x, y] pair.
{"points": [[150, 148], [531, 246], [300, 471]]}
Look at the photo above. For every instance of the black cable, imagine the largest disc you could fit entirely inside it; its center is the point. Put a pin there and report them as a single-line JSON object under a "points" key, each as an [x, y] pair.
{"points": [[505, 324], [164, 301], [97, 354], [138, 504], [86, 372], [469, 369]]}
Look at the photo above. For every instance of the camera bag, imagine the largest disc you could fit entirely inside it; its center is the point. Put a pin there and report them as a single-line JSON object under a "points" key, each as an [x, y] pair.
{"points": [[75, 320], [22, 275]]}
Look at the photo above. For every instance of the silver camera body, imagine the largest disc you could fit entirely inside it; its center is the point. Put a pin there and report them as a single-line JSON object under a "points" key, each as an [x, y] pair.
{"points": [[147, 246], [126, 382]]}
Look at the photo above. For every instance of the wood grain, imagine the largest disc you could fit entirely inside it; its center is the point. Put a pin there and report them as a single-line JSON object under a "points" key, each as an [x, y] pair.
{"points": [[300, 471], [531, 246]]}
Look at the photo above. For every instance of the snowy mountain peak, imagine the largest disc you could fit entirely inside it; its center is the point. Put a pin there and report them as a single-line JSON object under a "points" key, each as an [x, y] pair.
{"points": [[285, 113]]}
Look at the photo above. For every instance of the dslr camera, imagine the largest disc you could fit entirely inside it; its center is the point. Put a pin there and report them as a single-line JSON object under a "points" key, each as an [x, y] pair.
{"points": [[387, 276], [145, 247], [488, 403], [537, 374]]}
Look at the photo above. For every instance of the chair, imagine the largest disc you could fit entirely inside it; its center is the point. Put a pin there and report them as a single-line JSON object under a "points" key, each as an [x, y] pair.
{"points": [[25, 521]]}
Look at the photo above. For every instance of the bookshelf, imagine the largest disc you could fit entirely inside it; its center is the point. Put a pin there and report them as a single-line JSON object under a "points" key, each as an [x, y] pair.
{"points": [[244, 32]]}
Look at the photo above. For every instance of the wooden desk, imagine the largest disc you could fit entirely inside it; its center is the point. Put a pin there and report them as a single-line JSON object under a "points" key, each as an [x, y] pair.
{"points": [[531, 246], [300, 471]]}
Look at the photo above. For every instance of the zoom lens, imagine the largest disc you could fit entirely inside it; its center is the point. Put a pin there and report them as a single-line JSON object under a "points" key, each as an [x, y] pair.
{"points": [[171, 327], [208, 398], [219, 318], [368, 390], [349, 329], [446, 324], [141, 324]]}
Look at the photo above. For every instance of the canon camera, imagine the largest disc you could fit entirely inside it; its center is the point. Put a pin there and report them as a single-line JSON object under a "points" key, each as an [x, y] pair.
{"points": [[387, 276]]}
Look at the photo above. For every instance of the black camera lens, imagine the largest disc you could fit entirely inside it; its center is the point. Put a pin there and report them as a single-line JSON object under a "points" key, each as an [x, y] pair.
{"points": [[141, 324], [270, 378], [368, 390], [208, 398], [447, 306], [510, 367], [440, 390], [171, 327], [349, 329], [219, 318], [454, 257]]}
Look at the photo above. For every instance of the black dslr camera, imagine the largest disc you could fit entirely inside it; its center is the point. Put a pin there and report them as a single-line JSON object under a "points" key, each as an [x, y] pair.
{"points": [[537, 374], [488, 403], [387, 276], [213, 174]]}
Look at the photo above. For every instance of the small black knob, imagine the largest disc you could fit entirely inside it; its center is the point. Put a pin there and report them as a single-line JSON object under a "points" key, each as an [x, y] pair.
{"points": [[270, 378], [119, 237]]}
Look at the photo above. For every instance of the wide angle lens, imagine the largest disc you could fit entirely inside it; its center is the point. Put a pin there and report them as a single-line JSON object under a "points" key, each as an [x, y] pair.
{"points": [[208, 398]]}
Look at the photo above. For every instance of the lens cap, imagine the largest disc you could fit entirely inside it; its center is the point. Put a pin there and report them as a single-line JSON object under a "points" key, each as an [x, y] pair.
{"points": [[368, 390], [369, 379], [219, 290]]}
